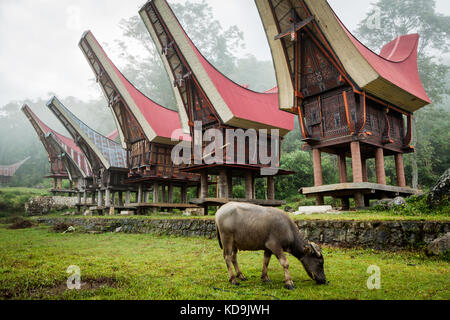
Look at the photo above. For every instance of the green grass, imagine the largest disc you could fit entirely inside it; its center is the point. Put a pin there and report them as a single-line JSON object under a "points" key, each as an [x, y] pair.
{"points": [[352, 215], [33, 264]]}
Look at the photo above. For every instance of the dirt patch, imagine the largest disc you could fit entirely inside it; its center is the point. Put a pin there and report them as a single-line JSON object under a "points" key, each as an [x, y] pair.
{"points": [[21, 223], [60, 227], [87, 285]]}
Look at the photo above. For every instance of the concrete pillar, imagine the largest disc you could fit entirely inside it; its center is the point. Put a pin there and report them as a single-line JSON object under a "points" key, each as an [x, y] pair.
{"points": [[400, 168], [139, 195], [249, 186], [55, 184], [93, 198], [59, 183], [107, 198], [270, 188], [146, 196], [356, 162], [113, 198], [364, 170], [222, 183], [379, 165], [170, 193], [156, 192], [317, 163], [342, 164], [100, 198], [85, 199], [254, 187], [204, 185], [359, 200], [128, 197]]}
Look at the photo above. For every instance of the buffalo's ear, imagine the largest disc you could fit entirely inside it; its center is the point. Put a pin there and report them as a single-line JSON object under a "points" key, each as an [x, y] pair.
{"points": [[316, 249]]}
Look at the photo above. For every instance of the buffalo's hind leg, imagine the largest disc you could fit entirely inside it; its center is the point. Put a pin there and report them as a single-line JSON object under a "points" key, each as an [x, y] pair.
{"points": [[228, 256], [267, 256], [239, 274]]}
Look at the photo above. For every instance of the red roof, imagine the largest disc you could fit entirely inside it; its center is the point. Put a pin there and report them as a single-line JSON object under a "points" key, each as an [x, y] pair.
{"points": [[68, 144], [244, 103], [113, 135], [396, 63], [162, 120]]}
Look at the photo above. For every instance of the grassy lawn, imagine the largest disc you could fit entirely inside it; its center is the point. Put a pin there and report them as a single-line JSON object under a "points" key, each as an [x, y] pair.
{"points": [[353, 215], [33, 264]]}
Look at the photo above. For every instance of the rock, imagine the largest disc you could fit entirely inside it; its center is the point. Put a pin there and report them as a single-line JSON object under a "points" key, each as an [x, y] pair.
{"points": [[289, 209], [389, 203], [44, 205], [119, 229], [70, 229], [127, 213], [440, 191], [87, 213], [439, 246], [194, 212], [313, 209]]}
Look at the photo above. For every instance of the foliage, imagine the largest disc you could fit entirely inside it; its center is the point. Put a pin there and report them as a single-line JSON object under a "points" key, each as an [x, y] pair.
{"points": [[167, 268], [418, 206], [12, 200]]}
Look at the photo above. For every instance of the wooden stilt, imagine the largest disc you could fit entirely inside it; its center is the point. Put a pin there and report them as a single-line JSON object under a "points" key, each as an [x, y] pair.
{"points": [[379, 164], [156, 192], [248, 186], [356, 161], [222, 183], [342, 168], [270, 188], [400, 169], [170, 193]]}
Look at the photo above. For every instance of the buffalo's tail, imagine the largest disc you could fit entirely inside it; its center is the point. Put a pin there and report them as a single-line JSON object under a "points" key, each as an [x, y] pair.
{"points": [[218, 238]]}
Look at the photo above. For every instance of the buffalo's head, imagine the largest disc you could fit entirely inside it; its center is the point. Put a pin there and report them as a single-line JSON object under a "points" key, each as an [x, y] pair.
{"points": [[313, 263]]}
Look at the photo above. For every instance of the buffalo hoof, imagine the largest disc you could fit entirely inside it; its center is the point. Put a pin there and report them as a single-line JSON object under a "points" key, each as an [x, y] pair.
{"points": [[242, 278], [289, 286], [266, 281], [234, 282]]}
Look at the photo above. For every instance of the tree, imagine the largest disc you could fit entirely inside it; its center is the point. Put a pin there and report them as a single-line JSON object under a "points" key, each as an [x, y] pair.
{"points": [[215, 43], [399, 17]]}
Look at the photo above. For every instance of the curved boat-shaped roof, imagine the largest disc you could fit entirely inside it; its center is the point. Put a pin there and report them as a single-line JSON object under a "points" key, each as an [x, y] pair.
{"points": [[113, 135], [99, 150], [67, 144], [236, 105], [9, 171], [157, 122], [72, 163], [396, 63], [391, 75]]}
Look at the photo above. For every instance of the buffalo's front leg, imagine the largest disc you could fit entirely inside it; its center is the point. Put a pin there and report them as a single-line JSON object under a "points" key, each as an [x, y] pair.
{"points": [[267, 256], [279, 253]]}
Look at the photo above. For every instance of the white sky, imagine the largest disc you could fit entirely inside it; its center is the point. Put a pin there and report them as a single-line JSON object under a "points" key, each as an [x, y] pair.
{"points": [[39, 50]]}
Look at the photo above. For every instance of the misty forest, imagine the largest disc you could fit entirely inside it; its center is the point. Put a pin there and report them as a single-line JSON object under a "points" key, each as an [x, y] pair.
{"points": [[18, 140]]}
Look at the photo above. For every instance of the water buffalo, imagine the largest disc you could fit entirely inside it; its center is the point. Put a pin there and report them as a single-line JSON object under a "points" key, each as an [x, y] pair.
{"points": [[248, 227]]}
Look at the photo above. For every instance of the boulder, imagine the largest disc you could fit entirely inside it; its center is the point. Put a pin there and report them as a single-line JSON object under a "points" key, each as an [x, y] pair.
{"points": [[194, 212], [389, 203], [314, 209], [289, 209], [87, 213], [440, 191], [440, 246]]}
